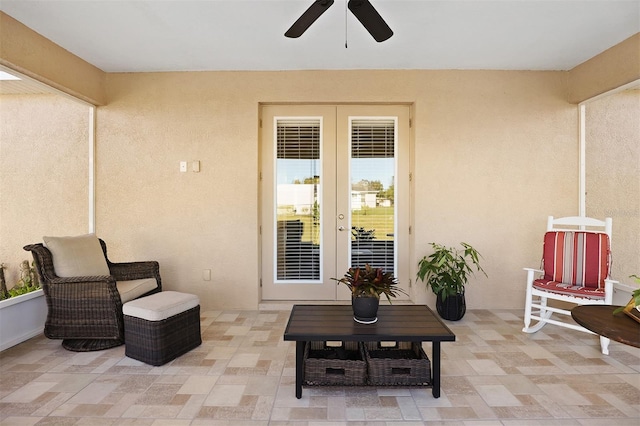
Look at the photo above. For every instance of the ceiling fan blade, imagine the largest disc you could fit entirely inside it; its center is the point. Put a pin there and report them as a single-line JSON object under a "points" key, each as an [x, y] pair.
{"points": [[308, 17], [371, 19]]}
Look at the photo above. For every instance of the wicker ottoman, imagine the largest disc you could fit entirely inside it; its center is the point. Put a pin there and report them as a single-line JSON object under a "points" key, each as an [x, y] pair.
{"points": [[161, 327]]}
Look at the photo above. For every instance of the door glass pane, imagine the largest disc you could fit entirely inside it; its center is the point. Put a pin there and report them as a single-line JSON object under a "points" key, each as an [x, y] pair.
{"points": [[298, 192], [372, 193]]}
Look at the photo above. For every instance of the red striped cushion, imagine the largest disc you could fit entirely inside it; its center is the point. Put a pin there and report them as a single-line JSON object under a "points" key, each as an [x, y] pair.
{"points": [[569, 290], [577, 258]]}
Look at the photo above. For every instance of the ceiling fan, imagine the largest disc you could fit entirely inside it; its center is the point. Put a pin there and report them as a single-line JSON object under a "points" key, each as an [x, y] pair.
{"points": [[362, 9]]}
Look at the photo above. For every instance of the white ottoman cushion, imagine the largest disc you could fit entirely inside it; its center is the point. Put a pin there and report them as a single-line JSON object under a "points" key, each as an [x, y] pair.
{"points": [[160, 306]]}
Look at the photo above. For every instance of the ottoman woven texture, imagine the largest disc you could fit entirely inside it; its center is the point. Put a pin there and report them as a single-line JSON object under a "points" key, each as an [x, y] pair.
{"points": [[161, 327]]}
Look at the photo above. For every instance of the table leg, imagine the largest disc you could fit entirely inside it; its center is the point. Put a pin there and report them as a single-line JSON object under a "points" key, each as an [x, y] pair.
{"points": [[299, 367], [435, 369]]}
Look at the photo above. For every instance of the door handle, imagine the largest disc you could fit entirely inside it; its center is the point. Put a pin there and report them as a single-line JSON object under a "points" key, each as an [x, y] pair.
{"points": [[341, 228]]}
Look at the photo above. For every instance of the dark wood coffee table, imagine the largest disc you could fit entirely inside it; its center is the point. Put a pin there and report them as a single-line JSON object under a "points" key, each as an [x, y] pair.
{"points": [[402, 323], [600, 320]]}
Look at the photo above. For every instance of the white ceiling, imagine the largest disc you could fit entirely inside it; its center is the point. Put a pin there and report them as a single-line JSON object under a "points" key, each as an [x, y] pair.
{"points": [[193, 35]]}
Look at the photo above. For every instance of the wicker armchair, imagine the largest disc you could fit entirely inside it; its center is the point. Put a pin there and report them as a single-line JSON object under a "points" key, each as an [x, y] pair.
{"points": [[86, 312]]}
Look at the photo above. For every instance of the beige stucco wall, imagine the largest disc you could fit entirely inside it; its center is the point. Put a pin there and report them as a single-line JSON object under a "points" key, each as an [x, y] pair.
{"points": [[613, 175], [43, 173], [26, 51], [495, 152], [609, 70], [490, 148]]}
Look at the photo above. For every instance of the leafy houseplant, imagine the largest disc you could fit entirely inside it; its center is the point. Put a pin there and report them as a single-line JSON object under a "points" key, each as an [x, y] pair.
{"points": [[446, 271], [636, 292], [635, 298], [370, 282], [23, 310], [367, 285], [28, 281]]}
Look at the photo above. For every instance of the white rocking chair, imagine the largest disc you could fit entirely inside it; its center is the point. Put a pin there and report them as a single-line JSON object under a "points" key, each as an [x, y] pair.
{"points": [[576, 260]]}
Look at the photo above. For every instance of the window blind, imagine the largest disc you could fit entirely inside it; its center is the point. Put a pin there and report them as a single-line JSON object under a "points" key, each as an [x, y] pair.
{"points": [[372, 212], [298, 145], [298, 139], [372, 138]]}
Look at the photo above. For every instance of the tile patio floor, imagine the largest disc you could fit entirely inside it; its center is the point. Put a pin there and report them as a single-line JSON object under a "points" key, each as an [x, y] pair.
{"points": [[244, 374]]}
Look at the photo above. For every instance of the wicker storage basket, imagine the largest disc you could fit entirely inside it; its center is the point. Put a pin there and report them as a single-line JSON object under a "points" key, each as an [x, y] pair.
{"points": [[329, 365], [402, 364]]}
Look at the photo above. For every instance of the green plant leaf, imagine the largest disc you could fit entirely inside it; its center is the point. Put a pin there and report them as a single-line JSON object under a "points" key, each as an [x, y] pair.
{"points": [[447, 269]]}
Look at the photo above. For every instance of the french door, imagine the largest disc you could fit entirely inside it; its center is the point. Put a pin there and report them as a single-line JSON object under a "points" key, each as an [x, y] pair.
{"points": [[334, 194]]}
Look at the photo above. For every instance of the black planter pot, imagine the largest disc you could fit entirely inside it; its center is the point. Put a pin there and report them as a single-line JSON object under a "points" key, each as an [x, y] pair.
{"points": [[452, 308], [365, 309]]}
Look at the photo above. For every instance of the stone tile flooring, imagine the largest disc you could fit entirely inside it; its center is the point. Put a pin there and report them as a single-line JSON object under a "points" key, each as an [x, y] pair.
{"points": [[244, 374]]}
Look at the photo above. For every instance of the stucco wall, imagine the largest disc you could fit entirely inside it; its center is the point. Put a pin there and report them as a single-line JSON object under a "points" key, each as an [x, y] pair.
{"points": [[26, 51], [613, 68], [613, 175], [494, 152], [43, 173], [491, 150]]}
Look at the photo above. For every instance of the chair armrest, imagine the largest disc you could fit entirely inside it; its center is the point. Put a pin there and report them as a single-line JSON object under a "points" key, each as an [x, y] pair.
{"points": [[531, 272], [76, 280], [126, 271], [609, 280], [70, 290], [609, 290], [83, 308]]}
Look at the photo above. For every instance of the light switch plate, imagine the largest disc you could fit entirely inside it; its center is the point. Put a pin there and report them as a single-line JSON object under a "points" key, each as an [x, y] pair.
{"points": [[183, 166]]}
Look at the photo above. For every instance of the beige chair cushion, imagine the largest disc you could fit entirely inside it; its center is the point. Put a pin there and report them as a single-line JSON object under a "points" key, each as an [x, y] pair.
{"points": [[133, 289], [80, 256]]}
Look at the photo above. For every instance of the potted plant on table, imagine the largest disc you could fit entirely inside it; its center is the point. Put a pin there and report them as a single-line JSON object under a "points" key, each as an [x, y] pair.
{"points": [[446, 271], [366, 285], [633, 307]]}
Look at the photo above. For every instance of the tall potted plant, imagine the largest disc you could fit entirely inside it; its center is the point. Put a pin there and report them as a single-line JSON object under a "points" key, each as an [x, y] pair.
{"points": [[366, 285], [446, 271]]}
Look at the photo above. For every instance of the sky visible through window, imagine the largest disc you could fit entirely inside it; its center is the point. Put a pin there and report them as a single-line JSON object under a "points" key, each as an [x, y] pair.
{"points": [[381, 169]]}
